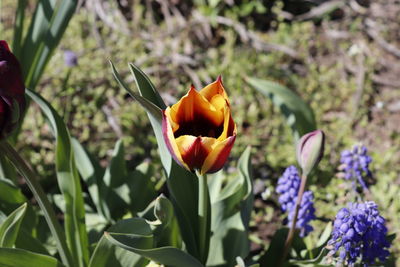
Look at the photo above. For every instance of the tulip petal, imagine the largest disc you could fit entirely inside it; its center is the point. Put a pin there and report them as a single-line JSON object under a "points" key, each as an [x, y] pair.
{"points": [[215, 88], [218, 155], [194, 150], [219, 102], [194, 107], [3, 113], [4, 45], [170, 139], [229, 125]]}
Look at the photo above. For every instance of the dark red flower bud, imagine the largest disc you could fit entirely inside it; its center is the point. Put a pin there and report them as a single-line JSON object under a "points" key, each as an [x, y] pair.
{"points": [[12, 91]]}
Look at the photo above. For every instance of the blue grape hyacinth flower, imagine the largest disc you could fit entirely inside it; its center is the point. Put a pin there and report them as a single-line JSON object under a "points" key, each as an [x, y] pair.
{"points": [[359, 233], [70, 58], [355, 164], [288, 189]]}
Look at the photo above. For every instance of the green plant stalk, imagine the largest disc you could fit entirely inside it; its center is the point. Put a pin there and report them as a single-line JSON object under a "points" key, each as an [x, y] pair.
{"points": [[204, 212], [40, 196], [292, 230]]}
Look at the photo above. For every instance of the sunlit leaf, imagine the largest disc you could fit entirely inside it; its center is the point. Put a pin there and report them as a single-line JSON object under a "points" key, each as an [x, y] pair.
{"points": [[48, 25], [68, 181], [12, 257], [230, 217], [182, 184], [9, 229], [299, 115]]}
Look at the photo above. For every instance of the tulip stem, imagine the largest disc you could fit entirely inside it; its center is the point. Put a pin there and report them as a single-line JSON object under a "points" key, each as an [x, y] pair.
{"points": [[290, 237], [204, 213], [40, 196]]}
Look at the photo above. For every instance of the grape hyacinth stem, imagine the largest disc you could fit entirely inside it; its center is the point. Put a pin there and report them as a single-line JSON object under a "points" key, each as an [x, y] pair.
{"points": [[289, 239]]}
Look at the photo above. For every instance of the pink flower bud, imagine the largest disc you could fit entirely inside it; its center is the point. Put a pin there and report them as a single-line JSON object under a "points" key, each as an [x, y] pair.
{"points": [[310, 149]]}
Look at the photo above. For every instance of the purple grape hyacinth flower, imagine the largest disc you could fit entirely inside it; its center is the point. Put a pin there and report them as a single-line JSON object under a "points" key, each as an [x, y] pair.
{"points": [[355, 164], [359, 233], [288, 189], [70, 58]]}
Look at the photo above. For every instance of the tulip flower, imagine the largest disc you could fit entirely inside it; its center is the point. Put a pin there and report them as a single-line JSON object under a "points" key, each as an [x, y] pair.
{"points": [[199, 130], [310, 149], [12, 91]]}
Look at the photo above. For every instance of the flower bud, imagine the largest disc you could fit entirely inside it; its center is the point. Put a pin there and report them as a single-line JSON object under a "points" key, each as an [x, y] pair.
{"points": [[12, 91], [310, 149]]}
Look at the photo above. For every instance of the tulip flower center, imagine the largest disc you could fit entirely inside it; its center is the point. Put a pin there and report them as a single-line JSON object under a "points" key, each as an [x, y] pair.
{"points": [[199, 127]]}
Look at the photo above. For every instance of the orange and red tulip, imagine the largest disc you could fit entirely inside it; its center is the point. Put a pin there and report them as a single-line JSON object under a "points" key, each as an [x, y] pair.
{"points": [[199, 130]]}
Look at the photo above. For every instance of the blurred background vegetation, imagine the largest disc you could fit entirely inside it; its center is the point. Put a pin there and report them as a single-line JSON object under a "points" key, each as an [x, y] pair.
{"points": [[341, 57]]}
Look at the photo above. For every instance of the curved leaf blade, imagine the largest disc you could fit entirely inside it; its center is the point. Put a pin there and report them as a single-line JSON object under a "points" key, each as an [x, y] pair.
{"points": [[182, 184], [48, 25], [12, 257], [68, 181], [231, 215], [299, 115], [169, 256], [106, 254], [9, 229]]}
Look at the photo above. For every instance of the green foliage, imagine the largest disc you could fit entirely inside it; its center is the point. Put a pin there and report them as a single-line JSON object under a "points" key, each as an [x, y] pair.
{"points": [[10, 227], [299, 116], [48, 25], [231, 209], [69, 183], [21, 258], [318, 76]]}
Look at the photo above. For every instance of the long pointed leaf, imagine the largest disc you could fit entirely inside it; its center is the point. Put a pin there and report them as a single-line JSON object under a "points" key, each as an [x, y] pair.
{"points": [[231, 215], [12, 257], [19, 27], [9, 229], [69, 183], [182, 184], [90, 172], [299, 115], [49, 22]]}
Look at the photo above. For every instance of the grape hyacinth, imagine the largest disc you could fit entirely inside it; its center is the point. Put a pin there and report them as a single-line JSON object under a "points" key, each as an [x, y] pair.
{"points": [[355, 164], [288, 189], [70, 58], [359, 232]]}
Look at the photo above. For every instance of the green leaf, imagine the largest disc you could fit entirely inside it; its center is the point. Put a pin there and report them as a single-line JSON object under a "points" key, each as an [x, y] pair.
{"points": [[7, 170], [19, 27], [114, 181], [9, 229], [153, 110], [141, 187], [69, 183], [10, 193], [299, 115], [167, 234], [146, 87], [182, 184], [139, 239], [169, 256], [275, 251], [230, 216], [90, 171], [106, 254], [11, 257], [48, 25], [317, 262], [326, 234], [27, 242]]}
